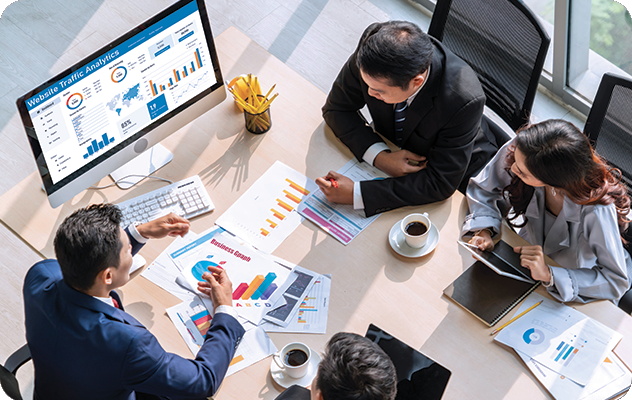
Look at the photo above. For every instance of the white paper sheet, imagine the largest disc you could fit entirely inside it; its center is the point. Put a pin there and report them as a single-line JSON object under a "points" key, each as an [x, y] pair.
{"points": [[610, 377], [312, 313], [254, 347], [192, 320], [163, 271], [341, 221], [561, 338], [266, 213]]}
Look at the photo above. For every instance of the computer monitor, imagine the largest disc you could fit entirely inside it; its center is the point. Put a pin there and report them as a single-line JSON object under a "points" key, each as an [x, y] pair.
{"points": [[106, 109]]}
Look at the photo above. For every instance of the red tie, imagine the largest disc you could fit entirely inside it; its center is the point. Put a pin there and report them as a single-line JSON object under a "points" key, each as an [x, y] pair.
{"points": [[116, 304]]}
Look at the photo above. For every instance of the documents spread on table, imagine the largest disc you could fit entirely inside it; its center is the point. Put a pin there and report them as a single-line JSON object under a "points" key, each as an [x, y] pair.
{"points": [[192, 320], [341, 221], [266, 213], [561, 339]]}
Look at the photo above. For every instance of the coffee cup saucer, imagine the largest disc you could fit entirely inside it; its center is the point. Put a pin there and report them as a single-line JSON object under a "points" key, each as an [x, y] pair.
{"points": [[286, 381], [398, 242]]}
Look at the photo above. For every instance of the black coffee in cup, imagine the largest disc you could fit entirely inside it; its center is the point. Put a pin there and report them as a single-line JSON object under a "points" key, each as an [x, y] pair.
{"points": [[295, 357], [416, 228]]}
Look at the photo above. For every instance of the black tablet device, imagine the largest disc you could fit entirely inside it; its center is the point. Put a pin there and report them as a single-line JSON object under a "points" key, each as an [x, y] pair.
{"points": [[418, 377]]}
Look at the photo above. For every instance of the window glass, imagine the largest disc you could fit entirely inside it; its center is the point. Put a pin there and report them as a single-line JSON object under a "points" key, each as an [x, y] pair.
{"points": [[611, 33], [545, 10]]}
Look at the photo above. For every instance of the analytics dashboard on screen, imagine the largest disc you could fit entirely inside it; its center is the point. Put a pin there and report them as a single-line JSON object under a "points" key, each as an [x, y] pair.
{"points": [[81, 116]]}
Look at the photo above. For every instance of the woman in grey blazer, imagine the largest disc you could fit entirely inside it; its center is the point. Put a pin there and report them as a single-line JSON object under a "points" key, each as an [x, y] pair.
{"points": [[570, 205]]}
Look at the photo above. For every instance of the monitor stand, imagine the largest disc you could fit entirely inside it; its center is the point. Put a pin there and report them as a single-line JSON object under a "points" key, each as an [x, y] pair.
{"points": [[144, 164]]}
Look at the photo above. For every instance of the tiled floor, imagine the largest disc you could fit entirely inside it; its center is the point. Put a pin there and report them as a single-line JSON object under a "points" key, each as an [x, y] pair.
{"points": [[39, 38]]}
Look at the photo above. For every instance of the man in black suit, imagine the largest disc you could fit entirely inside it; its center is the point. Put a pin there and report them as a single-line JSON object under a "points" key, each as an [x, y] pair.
{"points": [[425, 100], [353, 367]]}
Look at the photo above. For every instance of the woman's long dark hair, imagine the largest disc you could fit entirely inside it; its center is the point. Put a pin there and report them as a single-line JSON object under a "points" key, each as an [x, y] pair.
{"points": [[560, 155]]}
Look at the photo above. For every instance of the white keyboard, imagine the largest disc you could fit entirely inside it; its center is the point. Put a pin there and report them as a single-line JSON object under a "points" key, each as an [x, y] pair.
{"points": [[188, 198]]}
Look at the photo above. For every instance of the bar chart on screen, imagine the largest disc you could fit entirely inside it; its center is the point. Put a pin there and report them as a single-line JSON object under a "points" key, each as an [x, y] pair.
{"points": [[175, 72], [267, 212]]}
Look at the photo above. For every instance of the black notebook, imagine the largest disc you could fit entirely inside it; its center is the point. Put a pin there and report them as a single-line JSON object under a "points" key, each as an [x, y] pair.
{"points": [[487, 295]]}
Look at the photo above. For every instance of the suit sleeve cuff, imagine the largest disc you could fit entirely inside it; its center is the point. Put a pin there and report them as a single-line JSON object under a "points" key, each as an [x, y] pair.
{"points": [[136, 235], [226, 310], [373, 151], [358, 203]]}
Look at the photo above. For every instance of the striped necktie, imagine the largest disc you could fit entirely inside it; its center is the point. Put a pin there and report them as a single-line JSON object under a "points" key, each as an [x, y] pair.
{"points": [[400, 117]]}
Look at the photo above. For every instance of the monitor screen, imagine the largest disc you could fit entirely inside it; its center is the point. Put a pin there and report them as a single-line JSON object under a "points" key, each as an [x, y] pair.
{"points": [[85, 122]]}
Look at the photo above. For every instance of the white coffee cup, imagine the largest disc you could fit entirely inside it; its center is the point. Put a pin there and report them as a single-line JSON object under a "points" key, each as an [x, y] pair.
{"points": [[293, 359], [416, 235]]}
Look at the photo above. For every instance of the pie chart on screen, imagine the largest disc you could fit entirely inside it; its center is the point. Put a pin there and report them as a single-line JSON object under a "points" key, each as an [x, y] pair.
{"points": [[201, 267]]}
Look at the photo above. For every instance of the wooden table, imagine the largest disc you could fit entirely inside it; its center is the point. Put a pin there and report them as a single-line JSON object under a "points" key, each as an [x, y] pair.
{"points": [[370, 282]]}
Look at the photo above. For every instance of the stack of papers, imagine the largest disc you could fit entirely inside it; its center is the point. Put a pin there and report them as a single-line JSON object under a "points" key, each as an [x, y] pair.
{"points": [[570, 353]]}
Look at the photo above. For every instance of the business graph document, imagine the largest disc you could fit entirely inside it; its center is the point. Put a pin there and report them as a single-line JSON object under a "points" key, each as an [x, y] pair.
{"points": [[254, 275], [560, 338], [341, 221], [312, 313], [610, 378], [266, 213]]}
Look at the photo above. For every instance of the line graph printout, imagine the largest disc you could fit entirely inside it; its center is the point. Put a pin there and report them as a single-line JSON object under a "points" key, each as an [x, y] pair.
{"points": [[560, 338], [266, 213], [341, 221], [254, 275], [312, 313]]}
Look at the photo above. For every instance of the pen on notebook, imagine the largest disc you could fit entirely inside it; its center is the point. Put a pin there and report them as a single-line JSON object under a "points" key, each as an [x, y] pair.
{"points": [[333, 183], [516, 317]]}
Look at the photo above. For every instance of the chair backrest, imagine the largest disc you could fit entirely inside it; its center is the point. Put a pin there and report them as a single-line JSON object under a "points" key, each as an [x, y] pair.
{"points": [[609, 124], [8, 381], [504, 43]]}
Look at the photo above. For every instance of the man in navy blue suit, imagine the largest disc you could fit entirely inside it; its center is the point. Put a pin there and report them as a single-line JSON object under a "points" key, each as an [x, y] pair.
{"points": [[85, 346]]}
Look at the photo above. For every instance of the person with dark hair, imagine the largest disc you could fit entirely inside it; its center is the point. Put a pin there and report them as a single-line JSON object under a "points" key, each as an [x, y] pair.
{"points": [[570, 205], [352, 368], [85, 346], [426, 101]]}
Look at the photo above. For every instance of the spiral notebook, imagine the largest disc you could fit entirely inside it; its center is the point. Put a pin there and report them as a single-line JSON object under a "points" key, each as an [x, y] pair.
{"points": [[487, 295]]}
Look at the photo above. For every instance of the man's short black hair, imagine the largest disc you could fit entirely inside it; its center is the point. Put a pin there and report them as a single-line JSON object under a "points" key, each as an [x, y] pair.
{"points": [[87, 242], [395, 50], [355, 368]]}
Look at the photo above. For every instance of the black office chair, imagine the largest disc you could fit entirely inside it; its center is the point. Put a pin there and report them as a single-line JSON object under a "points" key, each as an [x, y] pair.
{"points": [[8, 381], [505, 44], [609, 128]]}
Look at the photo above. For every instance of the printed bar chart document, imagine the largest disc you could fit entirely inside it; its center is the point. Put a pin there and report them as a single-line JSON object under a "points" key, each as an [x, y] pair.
{"points": [[341, 221], [266, 213], [560, 338], [312, 312], [254, 347]]}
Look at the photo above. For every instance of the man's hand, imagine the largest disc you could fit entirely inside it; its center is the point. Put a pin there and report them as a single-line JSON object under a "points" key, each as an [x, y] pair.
{"points": [[336, 187], [217, 286], [532, 257], [171, 225], [399, 163]]}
